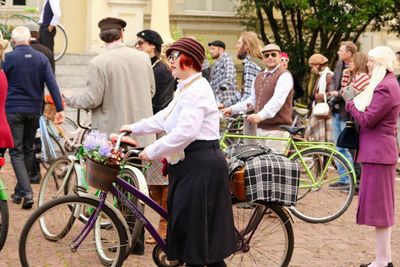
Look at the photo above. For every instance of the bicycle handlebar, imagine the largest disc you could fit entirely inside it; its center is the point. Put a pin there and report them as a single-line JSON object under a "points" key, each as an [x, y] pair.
{"points": [[78, 120]]}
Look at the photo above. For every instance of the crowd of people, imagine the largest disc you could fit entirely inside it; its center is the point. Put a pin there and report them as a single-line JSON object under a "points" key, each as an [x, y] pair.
{"points": [[172, 108]]}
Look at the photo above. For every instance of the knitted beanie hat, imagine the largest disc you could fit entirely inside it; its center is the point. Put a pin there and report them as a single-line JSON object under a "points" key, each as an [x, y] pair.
{"points": [[190, 47]]}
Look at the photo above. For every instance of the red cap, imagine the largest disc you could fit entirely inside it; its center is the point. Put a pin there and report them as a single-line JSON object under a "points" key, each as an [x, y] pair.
{"points": [[283, 54], [190, 47]]}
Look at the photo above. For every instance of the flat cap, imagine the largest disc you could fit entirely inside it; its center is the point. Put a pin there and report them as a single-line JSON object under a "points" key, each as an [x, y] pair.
{"points": [[317, 59], [32, 26], [271, 47], [150, 36], [217, 43], [111, 23]]}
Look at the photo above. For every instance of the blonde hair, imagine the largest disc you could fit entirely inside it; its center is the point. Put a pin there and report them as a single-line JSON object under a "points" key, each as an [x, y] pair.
{"points": [[360, 60], [350, 46], [3, 47], [253, 43]]}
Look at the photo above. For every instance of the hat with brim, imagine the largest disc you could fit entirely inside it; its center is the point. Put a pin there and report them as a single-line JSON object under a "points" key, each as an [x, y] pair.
{"points": [[111, 23], [190, 47], [317, 59], [32, 26], [271, 47]]}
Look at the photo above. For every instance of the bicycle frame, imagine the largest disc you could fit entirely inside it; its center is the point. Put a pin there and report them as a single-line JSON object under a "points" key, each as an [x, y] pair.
{"points": [[3, 192], [138, 214]]}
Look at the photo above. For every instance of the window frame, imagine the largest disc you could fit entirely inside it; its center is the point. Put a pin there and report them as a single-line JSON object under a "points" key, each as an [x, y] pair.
{"points": [[209, 10]]}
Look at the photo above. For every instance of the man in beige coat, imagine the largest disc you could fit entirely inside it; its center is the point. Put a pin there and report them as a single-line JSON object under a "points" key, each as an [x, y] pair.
{"points": [[120, 84]]}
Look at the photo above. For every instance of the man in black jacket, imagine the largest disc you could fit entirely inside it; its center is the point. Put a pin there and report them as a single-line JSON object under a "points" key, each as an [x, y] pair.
{"points": [[150, 41]]}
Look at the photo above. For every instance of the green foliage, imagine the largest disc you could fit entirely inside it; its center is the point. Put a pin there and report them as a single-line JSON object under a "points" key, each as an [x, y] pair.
{"points": [[304, 27]]}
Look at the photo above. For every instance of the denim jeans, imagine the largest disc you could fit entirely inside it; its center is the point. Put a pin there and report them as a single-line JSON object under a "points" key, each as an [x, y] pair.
{"points": [[23, 127], [337, 127]]}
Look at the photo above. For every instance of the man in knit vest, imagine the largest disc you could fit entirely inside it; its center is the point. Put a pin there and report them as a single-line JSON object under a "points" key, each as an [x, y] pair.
{"points": [[49, 19], [271, 98]]}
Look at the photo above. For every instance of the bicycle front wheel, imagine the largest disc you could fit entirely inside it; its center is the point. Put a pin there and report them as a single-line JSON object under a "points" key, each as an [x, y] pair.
{"points": [[36, 250], [60, 42], [4, 220], [318, 201], [264, 235]]}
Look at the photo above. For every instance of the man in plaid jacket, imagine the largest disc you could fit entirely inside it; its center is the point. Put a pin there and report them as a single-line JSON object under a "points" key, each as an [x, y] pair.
{"points": [[223, 75]]}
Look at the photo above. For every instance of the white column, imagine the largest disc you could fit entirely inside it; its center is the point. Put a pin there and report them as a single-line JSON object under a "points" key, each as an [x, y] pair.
{"points": [[160, 19]]}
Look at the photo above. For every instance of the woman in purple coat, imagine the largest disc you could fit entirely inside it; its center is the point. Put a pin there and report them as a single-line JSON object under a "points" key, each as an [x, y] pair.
{"points": [[376, 110]]}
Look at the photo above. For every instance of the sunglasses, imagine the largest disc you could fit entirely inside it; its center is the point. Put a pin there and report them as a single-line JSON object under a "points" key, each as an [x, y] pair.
{"points": [[284, 60], [273, 54], [139, 43], [174, 55]]}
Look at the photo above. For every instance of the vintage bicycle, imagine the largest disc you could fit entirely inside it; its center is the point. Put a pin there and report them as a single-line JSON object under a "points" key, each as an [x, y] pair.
{"points": [[320, 164], [264, 232], [4, 215]]}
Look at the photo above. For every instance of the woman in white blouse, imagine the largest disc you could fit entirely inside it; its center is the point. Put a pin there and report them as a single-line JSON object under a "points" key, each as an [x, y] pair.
{"points": [[200, 223]]}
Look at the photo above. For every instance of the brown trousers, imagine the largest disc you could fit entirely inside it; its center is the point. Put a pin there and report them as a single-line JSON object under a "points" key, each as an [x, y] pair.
{"points": [[159, 194]]}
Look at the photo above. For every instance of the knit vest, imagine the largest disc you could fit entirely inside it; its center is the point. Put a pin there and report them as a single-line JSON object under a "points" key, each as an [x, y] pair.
{"points": [[264, 89], [47, 15]]}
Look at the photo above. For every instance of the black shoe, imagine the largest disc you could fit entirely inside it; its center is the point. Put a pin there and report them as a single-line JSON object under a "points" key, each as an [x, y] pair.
{"points": [[390, 264], [27, 203], [16, 199], [338, 185], [35, 179]]}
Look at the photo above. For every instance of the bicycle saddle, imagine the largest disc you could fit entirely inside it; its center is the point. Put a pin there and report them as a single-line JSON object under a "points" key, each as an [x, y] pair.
{"points": [[291, 129]]}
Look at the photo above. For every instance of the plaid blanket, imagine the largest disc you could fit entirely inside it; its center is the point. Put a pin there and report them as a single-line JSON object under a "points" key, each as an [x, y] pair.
{"points": [[272, 178]]}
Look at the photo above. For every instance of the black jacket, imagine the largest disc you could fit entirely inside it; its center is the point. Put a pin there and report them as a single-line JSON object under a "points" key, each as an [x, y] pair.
{"points": [[165, 85]]}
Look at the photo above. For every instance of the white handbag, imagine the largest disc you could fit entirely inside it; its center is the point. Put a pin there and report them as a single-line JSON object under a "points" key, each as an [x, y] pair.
{"points": [[321, 109]]}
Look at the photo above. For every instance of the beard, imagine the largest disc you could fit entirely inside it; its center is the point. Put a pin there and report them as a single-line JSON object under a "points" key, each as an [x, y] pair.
{"points": [[241, 54], [216, 56]]}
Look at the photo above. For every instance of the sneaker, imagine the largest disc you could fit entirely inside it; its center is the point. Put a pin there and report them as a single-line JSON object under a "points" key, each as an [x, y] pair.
{"points": [[35, 179], [16, 199], [27, 203]]}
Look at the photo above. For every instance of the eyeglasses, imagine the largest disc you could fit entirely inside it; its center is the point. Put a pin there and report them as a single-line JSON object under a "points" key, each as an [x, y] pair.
{"points": [[284, 60], [139, 43], [273, 54], [174, 55]]}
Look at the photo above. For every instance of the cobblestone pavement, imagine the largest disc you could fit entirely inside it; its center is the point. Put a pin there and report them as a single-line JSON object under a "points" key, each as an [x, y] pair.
{"points": [[338, 243]]}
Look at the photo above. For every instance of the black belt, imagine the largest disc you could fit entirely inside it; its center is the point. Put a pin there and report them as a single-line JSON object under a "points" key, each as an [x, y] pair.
{"points": [[202, 144]]}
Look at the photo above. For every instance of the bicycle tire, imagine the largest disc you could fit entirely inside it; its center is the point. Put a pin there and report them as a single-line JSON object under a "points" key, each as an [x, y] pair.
{"points": [[4, 221], [269, 242], [61, 37], [312, 199], [160, 258], [134, 225], [63, 246]]}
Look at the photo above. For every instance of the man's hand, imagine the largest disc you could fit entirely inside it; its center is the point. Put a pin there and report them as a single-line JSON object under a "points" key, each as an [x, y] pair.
{"points": [[143, 155], [253, 118], [227, 112], [50, 28], [59, 117], [334, 93], [126, 128], [220, 106]]}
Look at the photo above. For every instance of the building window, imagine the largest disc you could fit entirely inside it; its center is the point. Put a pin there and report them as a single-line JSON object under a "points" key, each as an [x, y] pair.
{"points": [[210, 5], [28, 3]]}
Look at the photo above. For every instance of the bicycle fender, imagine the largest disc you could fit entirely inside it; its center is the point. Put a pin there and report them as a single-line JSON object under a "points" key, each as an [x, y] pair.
{"points": [[330, 149], [3, 192], [142, 180], [115, 210]]}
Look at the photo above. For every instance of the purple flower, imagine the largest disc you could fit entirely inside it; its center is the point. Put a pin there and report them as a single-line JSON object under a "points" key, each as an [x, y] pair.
{"points": [[105, 149]]}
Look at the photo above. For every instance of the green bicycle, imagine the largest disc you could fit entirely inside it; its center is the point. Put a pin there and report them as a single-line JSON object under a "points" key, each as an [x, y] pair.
{"points": [[4, 215], [320, 166]]}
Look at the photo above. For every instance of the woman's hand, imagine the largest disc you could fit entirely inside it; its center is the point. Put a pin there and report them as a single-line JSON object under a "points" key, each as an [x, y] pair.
{"points": [[125, 128], [253, 118], [143, 155]]}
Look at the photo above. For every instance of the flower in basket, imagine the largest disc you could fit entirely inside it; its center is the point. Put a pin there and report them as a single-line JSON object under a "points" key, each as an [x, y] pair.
{"points": [[98, 148]]}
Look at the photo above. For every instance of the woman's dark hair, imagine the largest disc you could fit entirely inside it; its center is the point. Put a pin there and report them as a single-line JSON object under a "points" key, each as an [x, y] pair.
{"points": [[110, 35], [188, 61]]}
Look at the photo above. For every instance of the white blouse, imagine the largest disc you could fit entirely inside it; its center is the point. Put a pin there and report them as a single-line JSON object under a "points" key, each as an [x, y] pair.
{"points": [[191, 115]]}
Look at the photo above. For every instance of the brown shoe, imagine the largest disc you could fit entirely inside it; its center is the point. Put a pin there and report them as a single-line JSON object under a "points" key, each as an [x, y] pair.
{"points": [[150, 241]]}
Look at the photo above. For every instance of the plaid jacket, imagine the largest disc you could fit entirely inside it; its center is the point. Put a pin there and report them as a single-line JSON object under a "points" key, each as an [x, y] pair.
{"points": [[250, 71], [223, 80]]}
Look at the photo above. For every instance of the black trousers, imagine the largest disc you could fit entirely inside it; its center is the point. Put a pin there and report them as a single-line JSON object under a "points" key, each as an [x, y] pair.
{"points": [[23, 128], [46, 38]]}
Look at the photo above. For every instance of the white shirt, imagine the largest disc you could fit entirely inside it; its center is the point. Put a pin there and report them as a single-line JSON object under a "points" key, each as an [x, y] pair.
{"points": [[55, 7], [282, 89], [192, 115]]}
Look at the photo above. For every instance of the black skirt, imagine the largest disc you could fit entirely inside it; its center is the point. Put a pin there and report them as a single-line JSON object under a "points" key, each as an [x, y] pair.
{"points": [[200, 221]]}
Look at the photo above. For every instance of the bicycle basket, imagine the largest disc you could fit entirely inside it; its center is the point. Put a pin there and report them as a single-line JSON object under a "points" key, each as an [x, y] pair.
{"points": [[101, 176]]}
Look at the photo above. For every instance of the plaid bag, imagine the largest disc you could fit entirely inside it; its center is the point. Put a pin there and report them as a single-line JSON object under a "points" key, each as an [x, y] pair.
{"points": [[272, 178]]}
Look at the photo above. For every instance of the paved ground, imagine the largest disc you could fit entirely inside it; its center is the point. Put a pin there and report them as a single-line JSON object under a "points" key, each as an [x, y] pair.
{"points": [[339, 243]]}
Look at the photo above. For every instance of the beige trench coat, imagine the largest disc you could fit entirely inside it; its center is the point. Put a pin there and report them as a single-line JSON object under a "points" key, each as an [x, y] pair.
{"points": [[119, 90]]}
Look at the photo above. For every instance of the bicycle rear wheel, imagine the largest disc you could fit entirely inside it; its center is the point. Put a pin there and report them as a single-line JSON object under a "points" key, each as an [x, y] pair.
{"points": [[318, 202], [58, 252], [4, 220], [60, 42], [264, 235]]}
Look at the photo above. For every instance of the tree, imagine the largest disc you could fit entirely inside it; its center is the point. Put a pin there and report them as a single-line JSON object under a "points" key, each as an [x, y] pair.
{"points": [[304, 27]]}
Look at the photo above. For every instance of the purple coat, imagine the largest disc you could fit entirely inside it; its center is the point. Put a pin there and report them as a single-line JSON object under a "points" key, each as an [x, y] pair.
{"points": [[378, 124]]}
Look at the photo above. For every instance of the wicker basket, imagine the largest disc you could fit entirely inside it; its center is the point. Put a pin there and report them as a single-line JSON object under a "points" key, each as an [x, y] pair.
{"points": [[239, 187], [49, 111], [101, 176]]}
